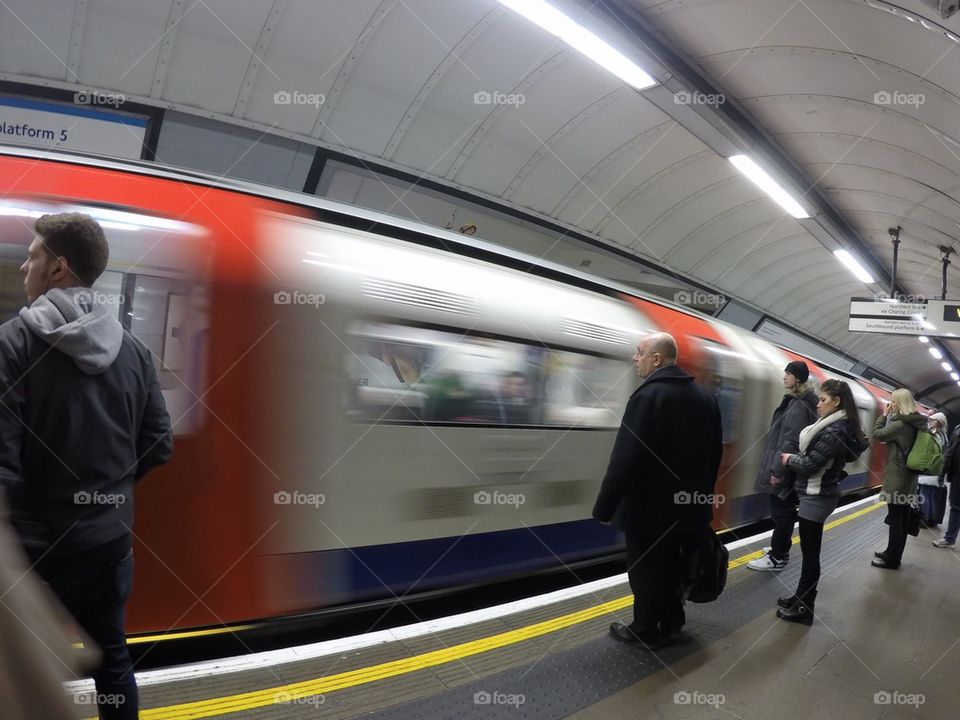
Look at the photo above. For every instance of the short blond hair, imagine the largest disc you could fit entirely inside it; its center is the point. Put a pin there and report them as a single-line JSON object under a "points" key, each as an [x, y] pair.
{"points": [[904, 400]]}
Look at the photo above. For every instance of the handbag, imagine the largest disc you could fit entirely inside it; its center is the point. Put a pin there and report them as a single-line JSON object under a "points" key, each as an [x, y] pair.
{"points": [[913, 521], [704, 571]]}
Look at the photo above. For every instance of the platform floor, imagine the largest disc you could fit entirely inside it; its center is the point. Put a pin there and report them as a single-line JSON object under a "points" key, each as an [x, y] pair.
{"points": [[884, 646]]}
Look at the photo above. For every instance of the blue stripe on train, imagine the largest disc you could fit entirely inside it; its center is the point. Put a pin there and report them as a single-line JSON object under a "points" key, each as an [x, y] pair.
{"points": [[377, 571], [444, 562]]}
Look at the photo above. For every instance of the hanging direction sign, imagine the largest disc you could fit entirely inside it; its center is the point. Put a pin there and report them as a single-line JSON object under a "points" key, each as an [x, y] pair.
{"points": [[934, 318]]}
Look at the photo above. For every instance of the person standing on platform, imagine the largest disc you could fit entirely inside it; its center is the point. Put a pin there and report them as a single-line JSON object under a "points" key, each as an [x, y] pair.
{"points": [[82, 418], [898, 428], [658, 488], [951, 474], [825, 447], [931, 488], [797, 410]]}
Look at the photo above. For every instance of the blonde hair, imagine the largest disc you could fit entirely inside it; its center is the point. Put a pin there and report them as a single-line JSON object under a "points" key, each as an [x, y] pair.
{"points": [[904, 400]]}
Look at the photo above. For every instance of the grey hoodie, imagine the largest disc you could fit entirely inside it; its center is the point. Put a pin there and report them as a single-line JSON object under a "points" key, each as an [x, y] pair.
{"points": [[82, 418], [69, 320]]}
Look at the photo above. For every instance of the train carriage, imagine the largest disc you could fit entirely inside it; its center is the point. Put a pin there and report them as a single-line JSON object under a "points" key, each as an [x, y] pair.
{"points": [[366, 407]]}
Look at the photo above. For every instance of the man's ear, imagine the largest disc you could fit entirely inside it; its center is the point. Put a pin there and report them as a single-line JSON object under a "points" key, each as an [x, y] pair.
{"points": [[60, 267]]}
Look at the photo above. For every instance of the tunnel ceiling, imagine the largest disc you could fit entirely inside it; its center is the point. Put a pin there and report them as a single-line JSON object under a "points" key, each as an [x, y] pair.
{"points": [[861, 96]]}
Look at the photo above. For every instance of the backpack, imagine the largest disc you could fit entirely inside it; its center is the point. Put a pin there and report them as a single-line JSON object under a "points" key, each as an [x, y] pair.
{"points": [[925, 456], [855, 448], [705, 568]]}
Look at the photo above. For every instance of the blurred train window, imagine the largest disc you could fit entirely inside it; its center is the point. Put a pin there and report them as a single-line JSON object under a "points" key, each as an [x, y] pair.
{"points": [[403, 373], [155, 282], [723, 377], [583, 390]]}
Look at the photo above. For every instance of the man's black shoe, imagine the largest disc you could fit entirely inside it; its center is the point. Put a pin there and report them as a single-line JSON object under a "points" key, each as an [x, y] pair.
{"points": [[885, 564], [623, 633], [881, 555], [787, 602], [670, 637]]}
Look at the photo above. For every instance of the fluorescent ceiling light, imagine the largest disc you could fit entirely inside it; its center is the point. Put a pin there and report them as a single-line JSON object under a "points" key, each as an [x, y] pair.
{"points": [[946, 366], [955, 376], [579, 38], [936, 353], [923, 339], [854, 266], [759, 177]]}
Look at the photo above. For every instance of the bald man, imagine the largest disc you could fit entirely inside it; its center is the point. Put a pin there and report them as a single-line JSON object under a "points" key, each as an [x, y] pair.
{"points": [[658, 488]]}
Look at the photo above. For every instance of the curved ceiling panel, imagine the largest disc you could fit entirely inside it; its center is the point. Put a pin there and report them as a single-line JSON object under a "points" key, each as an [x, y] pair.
{"points": [[471, 95]]}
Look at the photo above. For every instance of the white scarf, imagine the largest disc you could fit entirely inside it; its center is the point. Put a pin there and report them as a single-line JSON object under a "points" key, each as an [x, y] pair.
{"points": [[810, 431]]}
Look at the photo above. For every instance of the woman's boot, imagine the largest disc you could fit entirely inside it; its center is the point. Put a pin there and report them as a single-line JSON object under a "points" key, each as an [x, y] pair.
{"points": [[801, 611]]}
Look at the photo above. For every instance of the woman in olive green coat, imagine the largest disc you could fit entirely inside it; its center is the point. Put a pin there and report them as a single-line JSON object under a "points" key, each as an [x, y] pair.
{"points": [[898, 427]]}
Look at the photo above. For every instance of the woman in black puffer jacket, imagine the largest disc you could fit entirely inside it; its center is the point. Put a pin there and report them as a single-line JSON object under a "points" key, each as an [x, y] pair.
{"points": [[825, 447]]}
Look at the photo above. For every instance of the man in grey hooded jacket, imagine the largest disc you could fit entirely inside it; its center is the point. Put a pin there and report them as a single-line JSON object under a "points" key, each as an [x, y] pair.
{"points": [[82, 418]]}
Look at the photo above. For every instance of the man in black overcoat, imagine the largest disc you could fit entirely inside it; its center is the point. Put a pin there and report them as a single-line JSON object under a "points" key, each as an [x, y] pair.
{"points": [[658, 488]]}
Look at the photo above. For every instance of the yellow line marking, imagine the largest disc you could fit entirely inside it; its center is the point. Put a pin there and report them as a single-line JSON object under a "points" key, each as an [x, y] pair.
{"points": [[141, 639], [187, 634], [309, 688]]}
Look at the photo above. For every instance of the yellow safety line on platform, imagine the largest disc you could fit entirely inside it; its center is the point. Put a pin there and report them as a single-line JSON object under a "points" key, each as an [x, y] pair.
{"points": [[296, 691]]}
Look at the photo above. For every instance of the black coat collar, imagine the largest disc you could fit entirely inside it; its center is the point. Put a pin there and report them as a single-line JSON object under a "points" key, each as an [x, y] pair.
{"points": [[667, 373]]}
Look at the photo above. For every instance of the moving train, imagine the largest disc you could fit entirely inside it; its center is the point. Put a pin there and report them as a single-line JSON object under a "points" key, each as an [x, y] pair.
{"points": [[367, 408]]}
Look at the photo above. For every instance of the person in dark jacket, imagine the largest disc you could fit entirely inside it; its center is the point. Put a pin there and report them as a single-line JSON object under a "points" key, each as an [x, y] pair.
{"points": [[797, 410], [82, 418], [825, 447], [658, 488], [951, 474], [898, 427]]}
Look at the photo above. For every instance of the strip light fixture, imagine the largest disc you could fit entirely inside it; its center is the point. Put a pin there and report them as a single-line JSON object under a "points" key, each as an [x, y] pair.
{"points": [[759, 177], [579, 38], [854, 266]]}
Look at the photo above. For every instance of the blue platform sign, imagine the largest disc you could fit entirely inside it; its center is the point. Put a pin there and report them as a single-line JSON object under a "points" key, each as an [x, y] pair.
{"points": [[83, 125]]}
